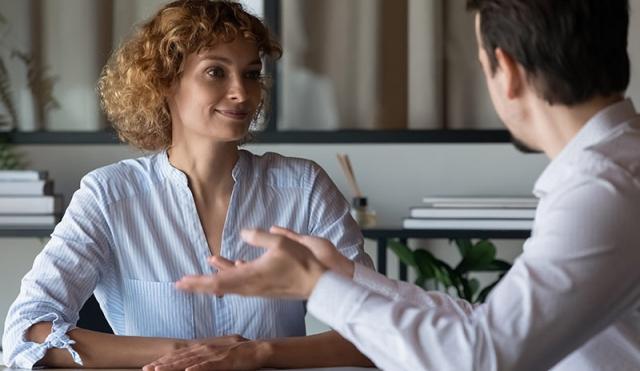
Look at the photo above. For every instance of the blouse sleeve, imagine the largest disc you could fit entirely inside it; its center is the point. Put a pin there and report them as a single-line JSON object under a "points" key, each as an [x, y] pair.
{"points": [[62, 278], [329, 218]]}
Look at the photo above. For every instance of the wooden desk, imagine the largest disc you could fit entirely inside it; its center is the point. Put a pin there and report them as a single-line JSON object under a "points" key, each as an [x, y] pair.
{"points": [[117, 369]]}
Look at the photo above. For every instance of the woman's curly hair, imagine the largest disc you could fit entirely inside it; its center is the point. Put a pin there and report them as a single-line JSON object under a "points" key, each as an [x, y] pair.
{"points": [[134, 83]]}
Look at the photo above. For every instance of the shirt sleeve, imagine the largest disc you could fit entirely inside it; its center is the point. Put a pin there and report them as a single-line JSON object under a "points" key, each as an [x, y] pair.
{"points": [[62, 278], [329, 218], [400, 290], [559, 293]]}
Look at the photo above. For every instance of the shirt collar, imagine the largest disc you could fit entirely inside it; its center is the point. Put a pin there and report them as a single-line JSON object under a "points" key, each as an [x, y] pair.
{"points": [[595, 130], [171, 172]]}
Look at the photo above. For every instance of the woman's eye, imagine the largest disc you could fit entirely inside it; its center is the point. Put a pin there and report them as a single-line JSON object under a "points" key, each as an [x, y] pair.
{"points": [[215, 72]]}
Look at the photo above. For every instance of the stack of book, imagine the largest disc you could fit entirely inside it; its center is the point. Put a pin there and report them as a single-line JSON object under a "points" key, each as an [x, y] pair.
{"points": [[473, 213], [27, 200]]}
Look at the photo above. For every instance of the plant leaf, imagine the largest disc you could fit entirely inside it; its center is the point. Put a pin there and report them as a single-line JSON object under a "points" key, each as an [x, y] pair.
{"points": [[466, 290], [424, 261], [421, 281], [443, 273], [474, 285], [464, 246], [402, 252], [479, 257], [496, 266], [6, 95], [39, 82], [9, 158], [482, 296]]}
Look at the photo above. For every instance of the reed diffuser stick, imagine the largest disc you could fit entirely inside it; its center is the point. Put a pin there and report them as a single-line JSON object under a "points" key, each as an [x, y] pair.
{"points": [[345, 163]]}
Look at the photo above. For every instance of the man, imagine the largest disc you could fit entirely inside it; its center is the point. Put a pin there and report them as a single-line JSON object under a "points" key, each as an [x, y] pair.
{"points": [[556, 72]]}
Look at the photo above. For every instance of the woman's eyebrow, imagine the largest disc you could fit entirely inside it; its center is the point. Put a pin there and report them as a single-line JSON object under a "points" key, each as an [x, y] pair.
{"points": [[227, 60]]}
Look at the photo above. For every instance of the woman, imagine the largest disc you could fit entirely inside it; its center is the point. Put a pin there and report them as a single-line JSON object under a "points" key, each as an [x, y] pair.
{"points": [[188, 84]]}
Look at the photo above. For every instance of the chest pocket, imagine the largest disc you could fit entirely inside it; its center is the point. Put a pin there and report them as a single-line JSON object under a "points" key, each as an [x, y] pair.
{"points": [[158, 309]]}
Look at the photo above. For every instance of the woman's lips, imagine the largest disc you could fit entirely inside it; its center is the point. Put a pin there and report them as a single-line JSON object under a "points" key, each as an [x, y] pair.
{"points": [[233, 114]]}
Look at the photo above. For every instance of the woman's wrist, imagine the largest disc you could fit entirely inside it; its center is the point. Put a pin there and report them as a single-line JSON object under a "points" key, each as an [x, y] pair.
{"points": [[264, 352], [177, 344]]}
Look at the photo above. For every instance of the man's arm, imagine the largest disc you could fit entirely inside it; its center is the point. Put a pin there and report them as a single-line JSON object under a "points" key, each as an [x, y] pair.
{"points": [[548, 305], [363, 274]]}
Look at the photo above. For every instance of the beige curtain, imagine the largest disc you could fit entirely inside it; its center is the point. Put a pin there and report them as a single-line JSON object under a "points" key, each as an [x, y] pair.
{"points": [[425, 101], [363, 64], [73, 39], [76, 40], [468, 105], [345, 64]]}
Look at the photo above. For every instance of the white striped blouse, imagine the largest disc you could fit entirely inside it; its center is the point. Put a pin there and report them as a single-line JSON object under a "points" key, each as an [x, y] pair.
{"points": [[132, 230]]}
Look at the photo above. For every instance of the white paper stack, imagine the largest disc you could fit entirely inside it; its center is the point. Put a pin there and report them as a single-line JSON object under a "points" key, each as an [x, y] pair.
{"points": [[473, 213], [27, 200]]}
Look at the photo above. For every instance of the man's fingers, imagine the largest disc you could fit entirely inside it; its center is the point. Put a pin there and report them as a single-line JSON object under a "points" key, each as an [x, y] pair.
{"points": [[284, 232], [201, 284], [303, 239], [220, 262], [239, 280], [260, 238], [288, 233]]}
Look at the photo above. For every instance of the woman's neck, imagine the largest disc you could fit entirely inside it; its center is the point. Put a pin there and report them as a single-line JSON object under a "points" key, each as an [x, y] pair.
{"points": [[208, 166]]}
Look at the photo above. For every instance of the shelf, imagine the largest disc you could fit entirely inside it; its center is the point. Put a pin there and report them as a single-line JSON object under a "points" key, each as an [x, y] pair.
{"points": [[284, 137], [26, 232], [392, 232]]}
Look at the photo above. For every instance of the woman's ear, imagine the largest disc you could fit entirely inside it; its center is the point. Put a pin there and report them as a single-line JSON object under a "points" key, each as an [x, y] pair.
{"points": [[513, 78]]}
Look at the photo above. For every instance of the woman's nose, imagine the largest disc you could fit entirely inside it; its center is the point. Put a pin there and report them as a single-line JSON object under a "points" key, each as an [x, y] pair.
{"points": [[237, 91]]}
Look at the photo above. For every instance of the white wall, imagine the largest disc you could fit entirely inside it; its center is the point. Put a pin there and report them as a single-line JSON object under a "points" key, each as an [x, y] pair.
{"points": [[394, 176]]}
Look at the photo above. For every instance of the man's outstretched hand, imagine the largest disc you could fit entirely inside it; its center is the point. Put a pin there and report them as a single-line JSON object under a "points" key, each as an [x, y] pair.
{"points": [[288, 269]]}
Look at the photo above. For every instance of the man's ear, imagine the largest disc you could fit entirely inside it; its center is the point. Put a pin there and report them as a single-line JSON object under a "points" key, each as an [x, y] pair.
{"points": [[513, 78]]}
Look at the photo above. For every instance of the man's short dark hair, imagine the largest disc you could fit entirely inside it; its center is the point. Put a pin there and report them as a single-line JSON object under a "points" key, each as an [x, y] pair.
{"points": [[572, 50]]}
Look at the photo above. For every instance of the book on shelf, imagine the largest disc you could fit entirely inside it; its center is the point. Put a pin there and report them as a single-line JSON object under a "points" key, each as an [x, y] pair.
{"points": [[46, 220], [472, 213], [23, 175], [468, 224], [21, 205], [481, 202], [26, 188]]}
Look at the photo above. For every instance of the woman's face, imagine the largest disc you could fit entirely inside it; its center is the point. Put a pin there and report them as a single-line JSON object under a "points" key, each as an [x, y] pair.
{"points": [[218, 92]]}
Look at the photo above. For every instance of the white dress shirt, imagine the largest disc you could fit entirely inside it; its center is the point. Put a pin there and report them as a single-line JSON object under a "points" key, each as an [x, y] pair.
{"points": [[132, 230], [570, 302]]}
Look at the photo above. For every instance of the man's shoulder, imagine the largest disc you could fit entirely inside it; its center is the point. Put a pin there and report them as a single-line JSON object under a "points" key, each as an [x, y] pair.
{"points": [[617, 154]]}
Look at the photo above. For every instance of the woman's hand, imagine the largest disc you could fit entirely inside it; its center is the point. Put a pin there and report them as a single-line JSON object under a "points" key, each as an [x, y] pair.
{"points": [[221, 353]]}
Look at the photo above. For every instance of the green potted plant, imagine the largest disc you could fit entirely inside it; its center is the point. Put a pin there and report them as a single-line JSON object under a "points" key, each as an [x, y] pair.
{"points": [[434, 273], [10, 159]]}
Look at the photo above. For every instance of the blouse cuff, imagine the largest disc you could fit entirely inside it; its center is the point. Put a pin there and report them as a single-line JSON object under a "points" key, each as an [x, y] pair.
{"points": [[58, 339]]}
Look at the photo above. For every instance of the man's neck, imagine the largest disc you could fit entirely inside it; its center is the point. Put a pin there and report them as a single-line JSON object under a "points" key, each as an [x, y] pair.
{"points": [[557, 125]]}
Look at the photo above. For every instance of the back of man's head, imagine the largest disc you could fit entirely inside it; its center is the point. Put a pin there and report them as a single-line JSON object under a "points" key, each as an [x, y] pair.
{"points": [[572, 50]]}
